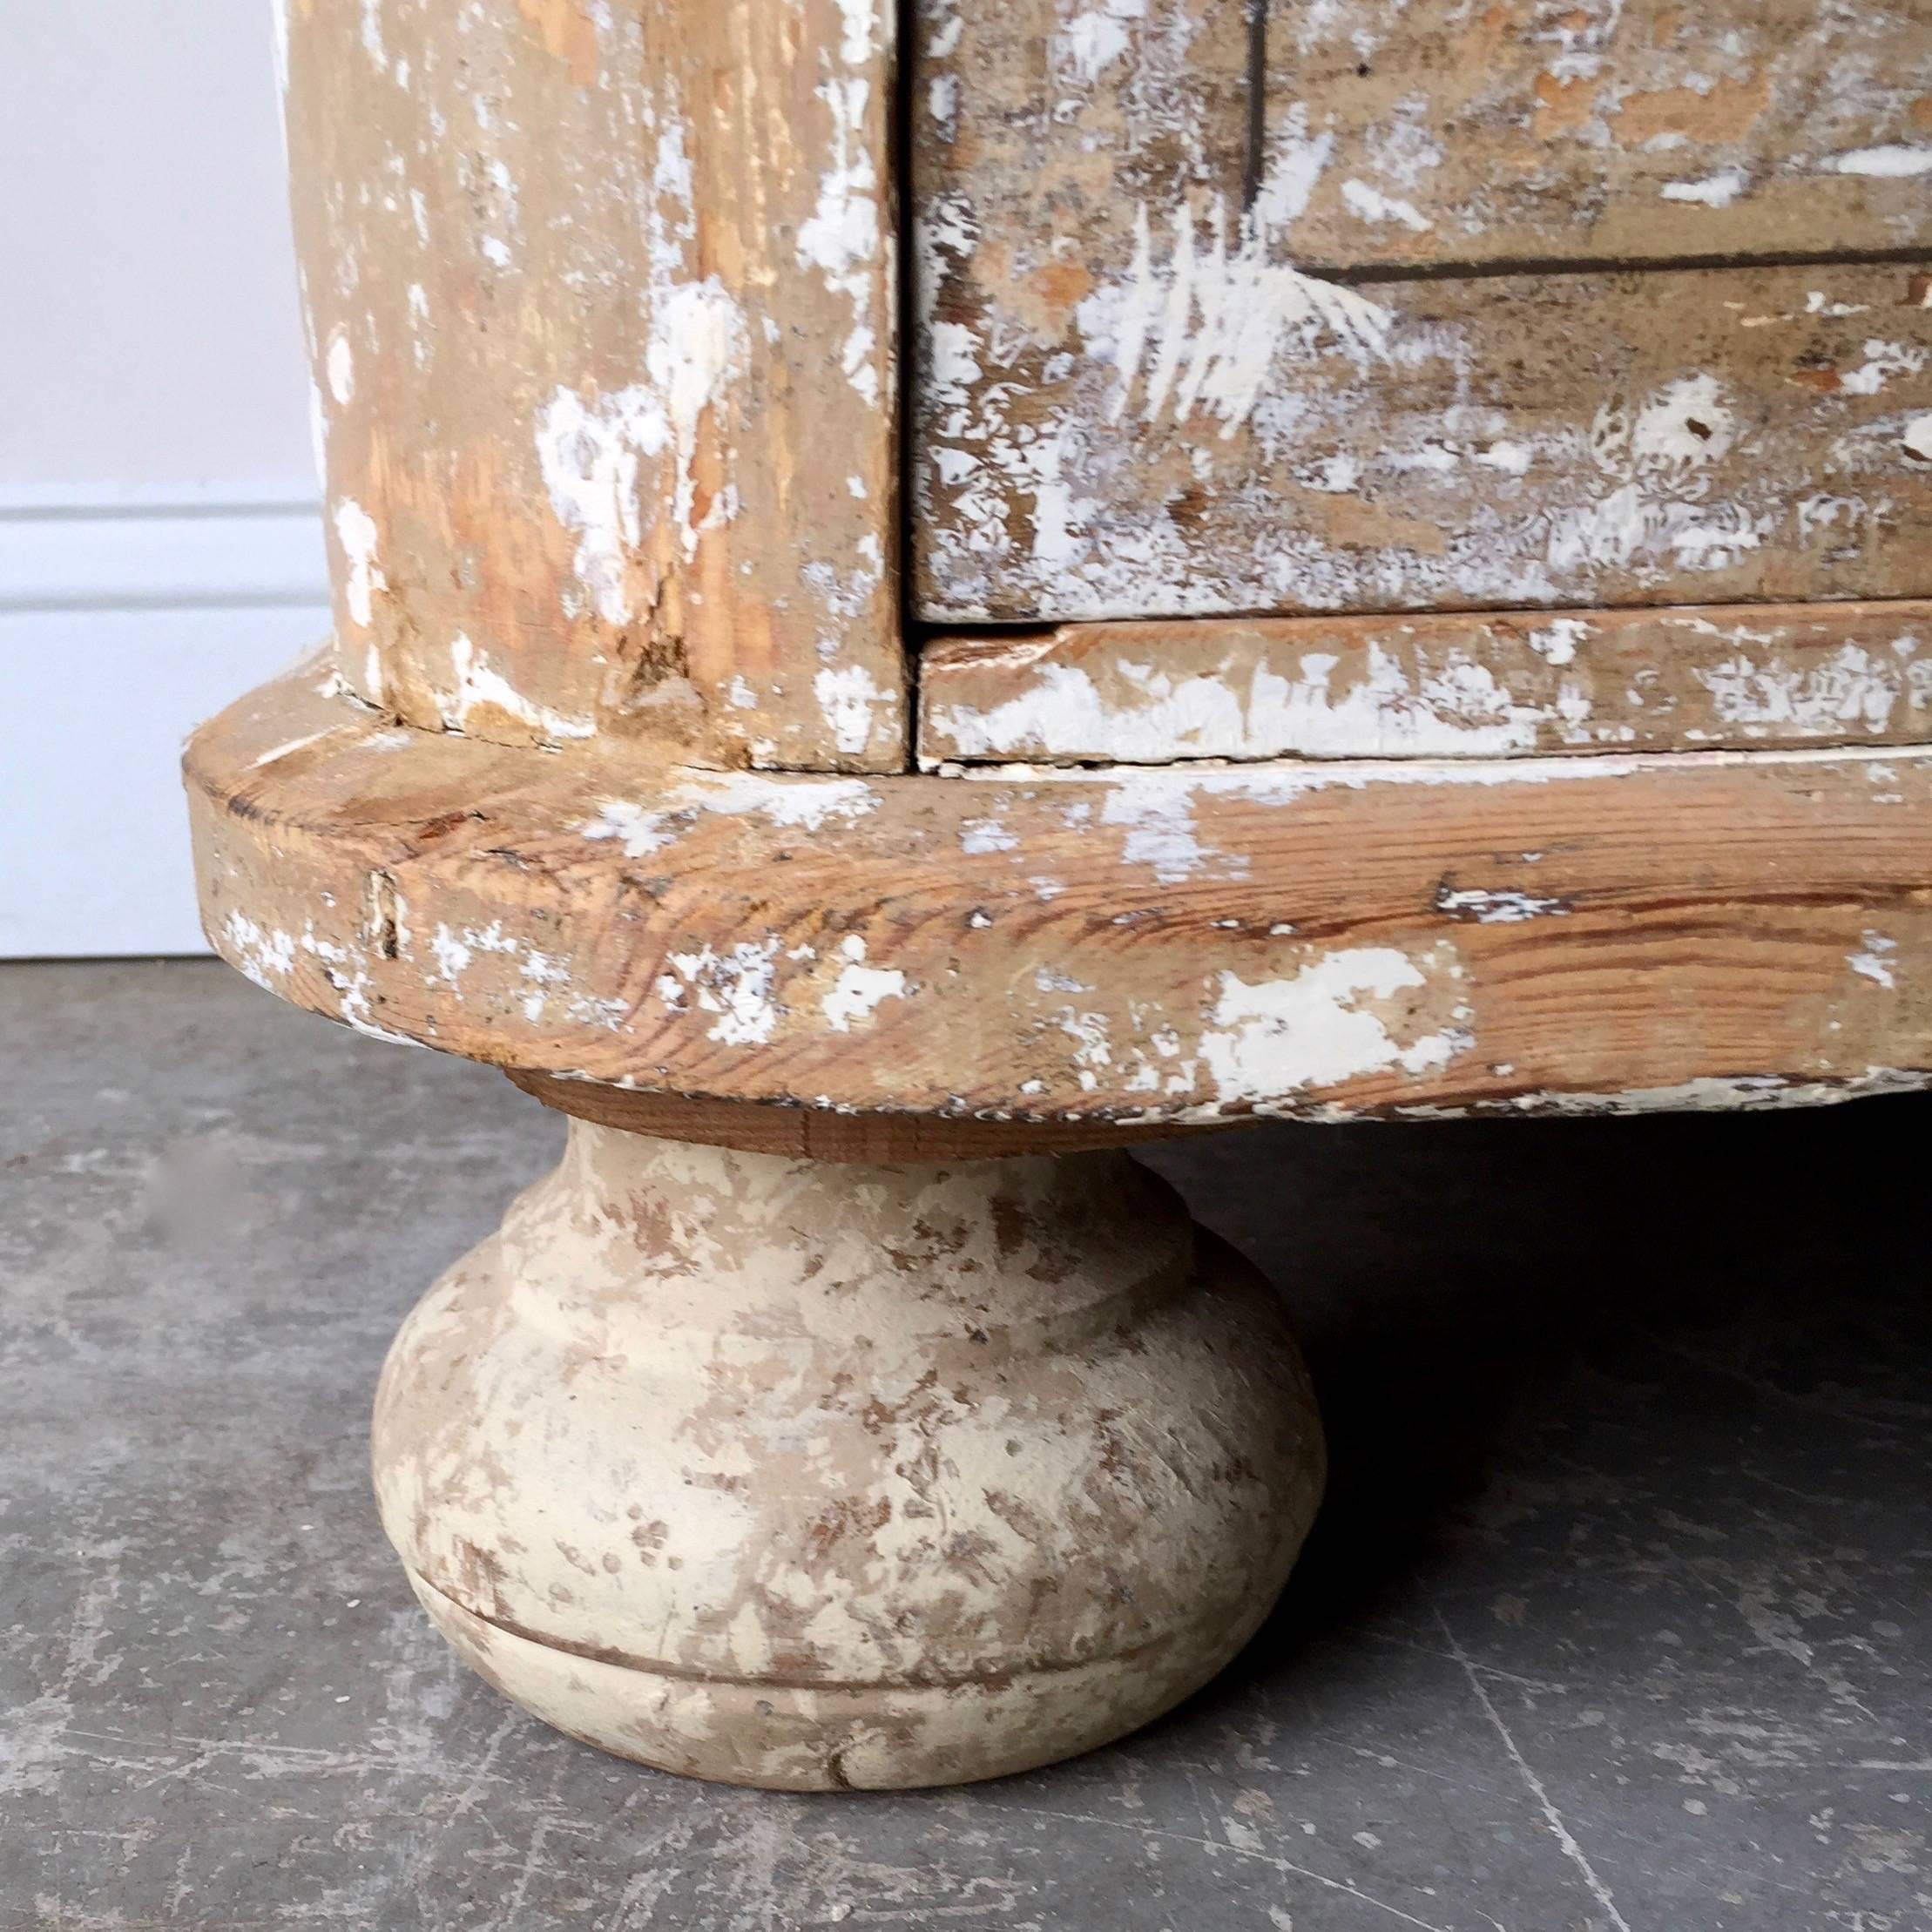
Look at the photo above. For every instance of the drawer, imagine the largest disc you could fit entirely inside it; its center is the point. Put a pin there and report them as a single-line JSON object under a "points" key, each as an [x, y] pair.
{"points": [[1372, 308]]}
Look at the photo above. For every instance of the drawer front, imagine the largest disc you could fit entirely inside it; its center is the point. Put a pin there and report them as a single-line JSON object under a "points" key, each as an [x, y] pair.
{"points": [[1227, 308], [1733, 677]]}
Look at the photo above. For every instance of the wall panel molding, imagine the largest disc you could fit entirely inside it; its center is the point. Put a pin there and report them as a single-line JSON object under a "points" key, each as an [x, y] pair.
{"points": [[126, 617]]}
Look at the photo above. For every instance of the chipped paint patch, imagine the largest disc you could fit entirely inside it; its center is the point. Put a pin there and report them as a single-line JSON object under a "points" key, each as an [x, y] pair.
{"points": [[590, 450], [849, 697], [803, 804], [1158, 815], [1874, 962], [1204, 328], [859, 988], [1851, 689], [1284, 1036], [638, 830], [1083, 48], [1373, 205], [1892, 162], [355, 531], [1456, 709], [737, 985], [979, 836], [263, 956], [1498, 906], [341, 369], [806, 803], [479, 684], [1710, 191]]}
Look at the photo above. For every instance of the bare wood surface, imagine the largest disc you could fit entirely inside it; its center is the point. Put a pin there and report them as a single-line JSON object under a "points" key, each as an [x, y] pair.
{"points": [[1432, 132], [602, 304], [817, 1133], [1133, 945], [1479, 685], [1196, 426]]}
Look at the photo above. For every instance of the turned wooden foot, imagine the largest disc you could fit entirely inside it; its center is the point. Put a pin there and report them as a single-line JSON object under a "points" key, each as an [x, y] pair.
{"points": [[815, 1475]]}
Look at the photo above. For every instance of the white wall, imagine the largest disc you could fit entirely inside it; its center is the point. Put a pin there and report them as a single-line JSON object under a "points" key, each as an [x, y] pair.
{"points": [[160, 544]]}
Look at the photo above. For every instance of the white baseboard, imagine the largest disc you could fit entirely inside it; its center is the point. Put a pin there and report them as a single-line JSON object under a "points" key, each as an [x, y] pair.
{"points": [[126, 617], [127, 549]]}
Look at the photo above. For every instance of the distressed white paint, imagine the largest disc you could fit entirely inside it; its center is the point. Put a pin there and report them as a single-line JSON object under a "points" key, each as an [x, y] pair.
{"points": [[800, 803], [264, 956], [1455, 709], [1497, 906], [860, 23], [1314, 1029], [590, 450], [851, 700], [804, 803], [1198, 333], [477, 683], [1848, 690], [1874, 962], [1084, 47], [1657, 506], [1371, 205], [1160, 829], [1884, 361], [980, 836], [1721, 1093], [1710, 190], [341, 369], [737, 986], [1206, 328], [842, 238], [1556, 642], [356, 531], [453, 955], [860, 989], [639, 830], [1891, 162], [1279, 781], [1434, 698]]}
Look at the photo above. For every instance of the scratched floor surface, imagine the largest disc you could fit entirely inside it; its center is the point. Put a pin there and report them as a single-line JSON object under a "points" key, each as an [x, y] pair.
{"points": [[1618, 1616]]}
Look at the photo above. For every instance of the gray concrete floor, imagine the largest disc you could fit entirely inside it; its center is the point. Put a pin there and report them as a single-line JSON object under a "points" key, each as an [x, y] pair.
{"points": [[1616, 1616]]}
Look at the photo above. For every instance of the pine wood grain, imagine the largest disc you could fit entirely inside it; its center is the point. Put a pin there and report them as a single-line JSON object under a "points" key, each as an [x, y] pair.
{"points": [[1142, 946]]}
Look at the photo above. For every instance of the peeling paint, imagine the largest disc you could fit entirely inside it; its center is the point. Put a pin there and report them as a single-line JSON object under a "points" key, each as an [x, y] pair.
{"points": [[1893, 161], [589, 451], [1283, 1036], [356, 529], [860, 989]]}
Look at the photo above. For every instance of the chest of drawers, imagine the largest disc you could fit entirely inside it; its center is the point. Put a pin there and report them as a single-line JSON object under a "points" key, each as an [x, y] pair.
{"points": [[920, 598]]}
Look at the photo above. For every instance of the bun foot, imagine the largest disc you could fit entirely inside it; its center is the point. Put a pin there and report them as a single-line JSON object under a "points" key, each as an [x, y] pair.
{"points": [[818, 1476]]}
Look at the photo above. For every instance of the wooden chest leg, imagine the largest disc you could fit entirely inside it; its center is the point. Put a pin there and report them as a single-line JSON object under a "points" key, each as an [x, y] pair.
{"points": [[815, 1475]]}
